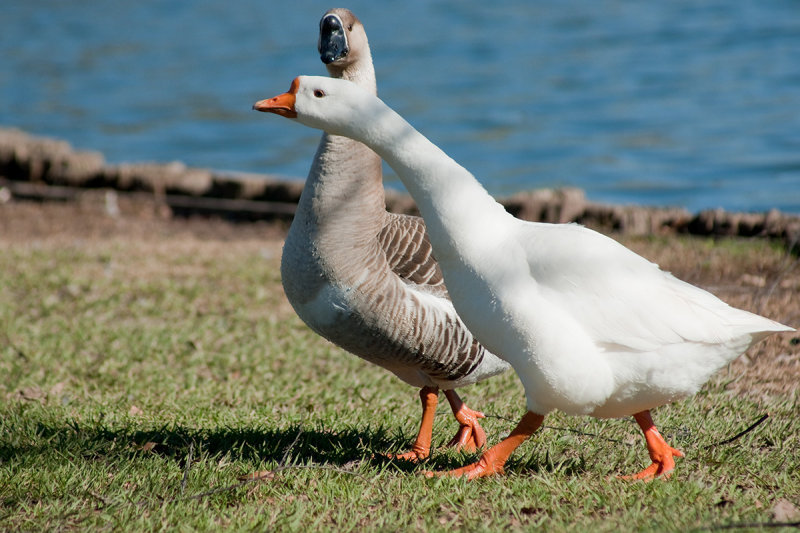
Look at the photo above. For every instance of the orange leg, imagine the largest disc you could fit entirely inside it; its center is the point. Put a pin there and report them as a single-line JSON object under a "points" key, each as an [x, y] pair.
{"points": [[422, 446], [661, 453], [493, 459], [470, 436]]}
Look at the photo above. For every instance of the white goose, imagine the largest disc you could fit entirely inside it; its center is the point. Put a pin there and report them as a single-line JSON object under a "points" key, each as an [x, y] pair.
{"points": [[365, 279], [590, 327]]}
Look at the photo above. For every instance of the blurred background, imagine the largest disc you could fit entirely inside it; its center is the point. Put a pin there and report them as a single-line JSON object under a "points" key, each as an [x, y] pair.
{"points": [[680, 103]]}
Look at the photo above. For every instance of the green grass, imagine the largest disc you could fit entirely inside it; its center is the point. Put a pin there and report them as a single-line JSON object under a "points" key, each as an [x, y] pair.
{"points": [[140, 380]]}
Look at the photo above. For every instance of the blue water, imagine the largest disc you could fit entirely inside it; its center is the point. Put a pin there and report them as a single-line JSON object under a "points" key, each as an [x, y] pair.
{"points": [[684, 103]]}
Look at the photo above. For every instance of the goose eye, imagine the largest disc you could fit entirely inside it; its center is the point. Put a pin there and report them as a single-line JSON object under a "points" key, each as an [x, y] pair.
{"points": [[350, 27], [319, 93]]}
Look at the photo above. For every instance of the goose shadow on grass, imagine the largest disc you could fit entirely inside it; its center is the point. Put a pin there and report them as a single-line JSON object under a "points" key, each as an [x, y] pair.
{"points": [[256, 445], [295, 444]]}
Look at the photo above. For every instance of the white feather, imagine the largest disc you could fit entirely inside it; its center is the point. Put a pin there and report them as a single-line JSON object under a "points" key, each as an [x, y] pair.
{"points": [[589, 326]]}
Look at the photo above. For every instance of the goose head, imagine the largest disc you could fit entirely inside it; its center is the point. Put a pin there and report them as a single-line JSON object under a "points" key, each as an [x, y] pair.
{"points": [[342, 39], [337, 106]]}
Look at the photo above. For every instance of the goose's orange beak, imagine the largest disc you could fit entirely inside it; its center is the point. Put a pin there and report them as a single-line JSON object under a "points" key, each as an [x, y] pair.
{"points": [[283, 104]]}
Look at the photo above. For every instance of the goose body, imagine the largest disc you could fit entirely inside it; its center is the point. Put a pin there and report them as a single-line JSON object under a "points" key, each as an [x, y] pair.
{"points": [[366, 279], [590, 327]]}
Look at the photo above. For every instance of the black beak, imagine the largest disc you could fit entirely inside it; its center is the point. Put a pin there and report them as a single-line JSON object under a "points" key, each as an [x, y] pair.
{"points": [[332, 39]]}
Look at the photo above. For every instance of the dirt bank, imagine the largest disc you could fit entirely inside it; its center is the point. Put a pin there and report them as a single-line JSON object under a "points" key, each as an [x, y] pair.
{"points": [[41, 168]]}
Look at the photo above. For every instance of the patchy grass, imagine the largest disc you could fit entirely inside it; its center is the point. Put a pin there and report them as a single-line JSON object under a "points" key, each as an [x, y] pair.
{"points": [[144, 373]]}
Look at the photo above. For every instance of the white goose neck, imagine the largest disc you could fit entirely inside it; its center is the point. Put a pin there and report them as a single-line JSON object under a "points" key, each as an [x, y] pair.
{"points": [[445, 192]]}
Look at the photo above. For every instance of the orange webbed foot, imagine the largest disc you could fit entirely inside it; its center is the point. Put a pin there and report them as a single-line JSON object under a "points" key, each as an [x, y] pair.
{"points": [[488, 465], [470, 436], [413, 455], [662, 467], [421, 449], [493, 459], [661, 453]]}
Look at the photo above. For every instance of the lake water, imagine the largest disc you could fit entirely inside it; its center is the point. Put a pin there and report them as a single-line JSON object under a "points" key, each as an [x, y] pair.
{"points": [[686, 103]]}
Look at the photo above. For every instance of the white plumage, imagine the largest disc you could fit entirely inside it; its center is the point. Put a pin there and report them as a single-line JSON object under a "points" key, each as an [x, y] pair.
{"points": [[590, 327]]}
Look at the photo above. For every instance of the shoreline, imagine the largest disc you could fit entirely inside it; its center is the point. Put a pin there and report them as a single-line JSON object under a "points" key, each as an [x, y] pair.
{"points": [[47, 169]]}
